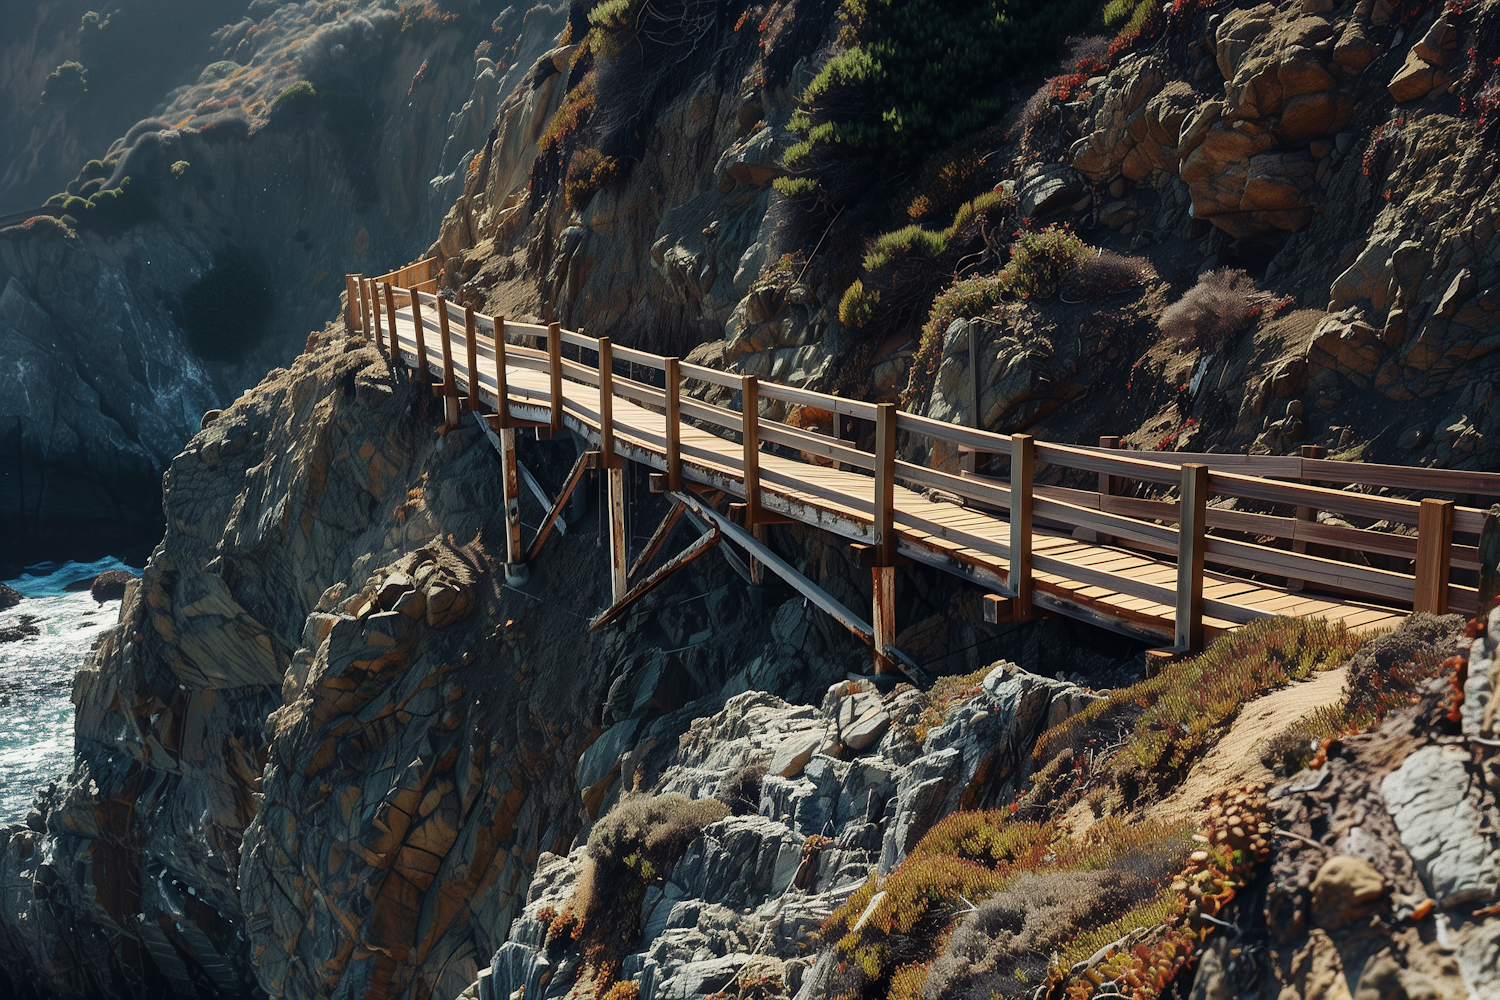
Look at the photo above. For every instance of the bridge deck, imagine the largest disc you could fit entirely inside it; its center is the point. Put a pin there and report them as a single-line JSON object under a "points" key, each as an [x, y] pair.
{"points": [[1124, 589]]}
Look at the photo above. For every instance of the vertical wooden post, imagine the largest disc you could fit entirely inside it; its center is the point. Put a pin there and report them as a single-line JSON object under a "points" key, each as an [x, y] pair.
{"points": [[554, 372], [883, 535], [750, 436], [471, 359], [375, 314], [1192, 518], [1022, 473], [1107, 486], [515, 552], [1311, 451], [420, 335], [351, 297], [673, 386], [502, 385], [607, 403], [1434, 553], [390, 313], [619, 557], [972, 335], [450, 381], [883, 617]]}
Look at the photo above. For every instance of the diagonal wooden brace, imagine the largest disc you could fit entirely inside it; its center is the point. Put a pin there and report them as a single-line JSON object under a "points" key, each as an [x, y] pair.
{"points": [[588, 460], [658, 539], [687, 555]]}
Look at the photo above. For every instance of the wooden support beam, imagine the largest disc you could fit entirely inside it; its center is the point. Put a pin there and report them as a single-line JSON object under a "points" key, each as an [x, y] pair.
{"points": [[607, 403], [619, 555], [999, 609], [450, 381], [364, 303], [554, 372], [390, 313], [673, 387], [502, 383], [657, 540], [1022, 474], [704, 542], [868, 556], [351, 297], [757, 571], [883, 614], [471, 359], [1434, 554], [883, 529], [515, 554], [1304, 513], [1192, 523], [375, 315], [419, 334], [750, 438], [587, 460]]}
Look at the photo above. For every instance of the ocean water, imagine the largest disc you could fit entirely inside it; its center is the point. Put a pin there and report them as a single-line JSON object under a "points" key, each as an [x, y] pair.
{"points": [[36, 675]]}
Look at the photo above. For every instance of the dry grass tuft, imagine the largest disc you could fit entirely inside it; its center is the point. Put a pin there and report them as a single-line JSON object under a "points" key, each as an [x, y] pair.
{"points": [[1221, 306]]}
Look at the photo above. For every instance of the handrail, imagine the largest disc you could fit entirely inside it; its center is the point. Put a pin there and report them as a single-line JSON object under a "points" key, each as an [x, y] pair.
{"points": [[463, 357]]}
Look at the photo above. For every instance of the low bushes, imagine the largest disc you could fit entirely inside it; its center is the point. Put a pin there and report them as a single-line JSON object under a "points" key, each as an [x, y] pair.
{"points": [[1221, 306], [589, 171]]}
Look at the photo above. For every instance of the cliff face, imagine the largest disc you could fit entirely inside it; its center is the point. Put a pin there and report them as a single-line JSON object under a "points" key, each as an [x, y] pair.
{"points": [[116, 366], [324, 748]]}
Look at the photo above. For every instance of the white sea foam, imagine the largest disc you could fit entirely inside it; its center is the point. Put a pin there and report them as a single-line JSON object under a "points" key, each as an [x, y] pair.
{"points": [[36, 676]]}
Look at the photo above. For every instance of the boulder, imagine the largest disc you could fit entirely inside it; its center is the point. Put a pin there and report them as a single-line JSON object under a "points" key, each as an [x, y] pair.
{"points": [[9, 598], [1416, 79], [107, 586], [1440, 825], [1052, 187], [1345, 889]]}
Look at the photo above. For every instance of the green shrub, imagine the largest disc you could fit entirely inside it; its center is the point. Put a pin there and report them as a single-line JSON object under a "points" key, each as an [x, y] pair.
{"points": [[589, 171], [180, 169], [909, 241], [114, 209], [225, 312], [914, 75], [857, 307], [1039, 260], [67, 82], [612, 14], [219, 70], [299, 96], [964, 299]]}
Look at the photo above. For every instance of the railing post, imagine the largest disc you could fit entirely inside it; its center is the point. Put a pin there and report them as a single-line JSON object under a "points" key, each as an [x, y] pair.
{"points": [[418, 335], [554, 372], [1107, 486], [450, 383], [471, 359], [390, 314], [1309, 451], [350, 298], [502, 385], [515, 552], [375, 315], [1192, 518], [1434, 553], [364, 304], [750, 436], [883, 535], [673, 386], [1022, 473], [607, 403]]}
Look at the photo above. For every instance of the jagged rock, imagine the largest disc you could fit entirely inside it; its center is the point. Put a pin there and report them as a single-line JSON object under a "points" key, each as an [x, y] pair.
{"points": [[109, 586], [1345, 889], [8, 597], [1440, 825], [1052, 187]]}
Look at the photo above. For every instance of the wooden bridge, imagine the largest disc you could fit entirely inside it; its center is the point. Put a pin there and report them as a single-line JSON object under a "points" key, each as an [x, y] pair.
{"points": [[1138, 566]]}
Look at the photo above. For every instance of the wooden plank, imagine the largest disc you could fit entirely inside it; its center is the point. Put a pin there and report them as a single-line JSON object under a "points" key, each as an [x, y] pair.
{"points": [[618, 554], [554, 372], [673, 381], [1434, 551], [450, 383], [471, 360], [418, 334], [1188, 617], [883, 616], [1404, 477], [884, 485], [390, 310], [750, 442], [1022, 473], [350, 298]]}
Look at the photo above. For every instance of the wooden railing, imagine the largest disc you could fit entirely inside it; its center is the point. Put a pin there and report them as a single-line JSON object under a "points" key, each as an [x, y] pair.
{"points": [[1420, 540]]}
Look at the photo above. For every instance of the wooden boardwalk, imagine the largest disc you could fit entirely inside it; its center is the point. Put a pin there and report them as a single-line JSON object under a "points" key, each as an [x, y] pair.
{"points": [[1137, 566]]}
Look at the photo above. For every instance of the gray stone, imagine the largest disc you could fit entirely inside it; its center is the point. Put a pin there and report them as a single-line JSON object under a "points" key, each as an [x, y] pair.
{"points": [[1440, 826], [792, 756], [866, 731]]}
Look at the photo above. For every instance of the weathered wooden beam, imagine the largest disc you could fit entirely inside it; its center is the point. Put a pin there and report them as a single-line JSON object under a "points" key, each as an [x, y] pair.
{"points": [[884, 527], [502, 384], [1305, 513], [1191, 545], [868, 556], [883, 614], [657, 540], [419, 334], [1022, 474], [554, 374], [375, 315], [703, 543], [673, 386], [750, 437], [450, 381], [607, 403], [998, 609], [619, 554], [1434, 556], [587, 460], [515, 553], [364, 304], [390, 312], [351, 297], [471, 360]]}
